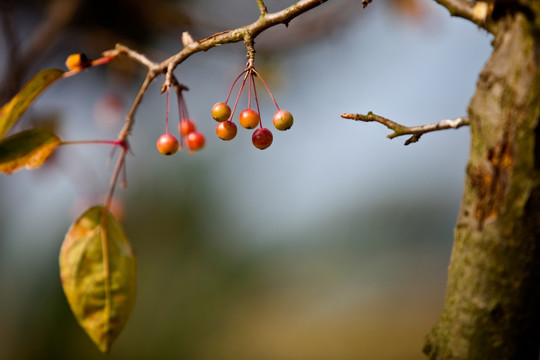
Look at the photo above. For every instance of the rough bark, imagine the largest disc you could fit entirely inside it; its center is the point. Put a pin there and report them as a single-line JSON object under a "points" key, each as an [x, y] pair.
{"points": [[492, 305]]}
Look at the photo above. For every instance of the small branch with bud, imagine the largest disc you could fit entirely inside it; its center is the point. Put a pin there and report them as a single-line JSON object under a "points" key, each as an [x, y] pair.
{"points": [[415, 131]]}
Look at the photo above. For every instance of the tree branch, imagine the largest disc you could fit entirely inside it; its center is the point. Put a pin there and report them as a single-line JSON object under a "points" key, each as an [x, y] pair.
{"points": [[415, 131], [474, 11], [246, 33], [264, 22]]}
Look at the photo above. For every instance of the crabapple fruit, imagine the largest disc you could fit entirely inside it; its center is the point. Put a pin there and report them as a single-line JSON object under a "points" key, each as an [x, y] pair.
{"points": [[262, 138], [195, 141], [249, 118], [186, 126], [167, 144], [283, 120], [221, 111], [226, 130]]}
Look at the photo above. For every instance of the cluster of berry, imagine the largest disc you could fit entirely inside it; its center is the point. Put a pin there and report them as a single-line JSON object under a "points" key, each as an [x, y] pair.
{"points": [[249, 118], [167, 144]]}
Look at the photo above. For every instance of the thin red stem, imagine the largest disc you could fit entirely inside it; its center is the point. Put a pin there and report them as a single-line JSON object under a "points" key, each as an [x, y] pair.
{"points": [[256, 101], [167, 112], [238, 96], [182, 113], [102, 60], [80, 142], [249, 87], [185, 113], [267, 88], [234, 83], [182, 108]]}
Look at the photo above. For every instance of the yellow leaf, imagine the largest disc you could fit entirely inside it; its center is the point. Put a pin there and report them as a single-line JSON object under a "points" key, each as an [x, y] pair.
{"points": [[12, 111], [98, 271], [29, 148]]}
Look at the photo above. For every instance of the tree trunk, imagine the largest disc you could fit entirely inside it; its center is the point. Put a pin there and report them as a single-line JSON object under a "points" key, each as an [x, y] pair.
{"points": [[492, 305]]}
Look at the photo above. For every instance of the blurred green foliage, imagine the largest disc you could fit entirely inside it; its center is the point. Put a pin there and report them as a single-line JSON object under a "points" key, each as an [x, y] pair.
{"points": [[344, 289]]}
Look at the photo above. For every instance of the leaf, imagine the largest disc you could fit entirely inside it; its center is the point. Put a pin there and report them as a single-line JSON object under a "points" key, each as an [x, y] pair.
{"points": [[98, 271], [29, 148], [12, 111]]}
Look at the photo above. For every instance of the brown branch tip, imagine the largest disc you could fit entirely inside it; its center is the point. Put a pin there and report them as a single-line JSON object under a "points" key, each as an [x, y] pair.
{"points": [[415, 131]]}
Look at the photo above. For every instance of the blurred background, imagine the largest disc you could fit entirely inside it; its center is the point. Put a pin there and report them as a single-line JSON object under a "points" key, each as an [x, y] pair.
{"points": [[332, 244]]}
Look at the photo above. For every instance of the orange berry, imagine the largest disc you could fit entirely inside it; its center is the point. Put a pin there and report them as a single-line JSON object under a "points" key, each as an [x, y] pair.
{"points": [[195, 141], [226, 130], [221, 111], [76, 62], [186, 126], [249, 118], [167, 144]]}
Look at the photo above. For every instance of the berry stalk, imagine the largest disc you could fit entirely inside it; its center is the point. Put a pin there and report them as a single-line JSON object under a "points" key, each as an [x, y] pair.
{"points": [[167, 111], [256, 98], [239, 92], [266, 86], [234, 83], [82, 142]]}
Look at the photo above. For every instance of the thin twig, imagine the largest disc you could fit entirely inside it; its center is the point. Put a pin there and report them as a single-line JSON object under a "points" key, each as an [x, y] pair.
{"points": [[132, 54], [131, 114], [120, 162], [415, 131], [262, 7]]}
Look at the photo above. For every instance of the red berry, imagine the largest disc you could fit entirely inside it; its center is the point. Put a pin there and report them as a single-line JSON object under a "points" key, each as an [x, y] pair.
{"points": [[167, 144], [262, 138], [221, 111], [249, 118], [282, 120], [195, 141], [186, 126], [226, 130]]}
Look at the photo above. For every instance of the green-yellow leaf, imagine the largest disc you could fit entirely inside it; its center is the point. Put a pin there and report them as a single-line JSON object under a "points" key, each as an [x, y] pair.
{"points": [[29, 148], [98, 271], [12, 111]]}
